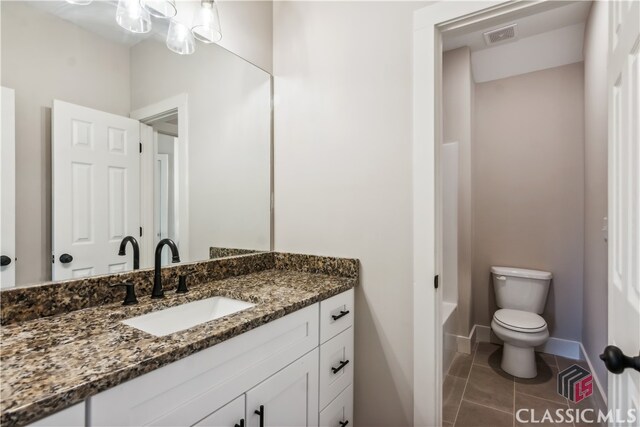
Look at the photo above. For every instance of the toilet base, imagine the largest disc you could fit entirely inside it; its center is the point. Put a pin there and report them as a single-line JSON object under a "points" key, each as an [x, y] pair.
{"points": [[519, 361]]}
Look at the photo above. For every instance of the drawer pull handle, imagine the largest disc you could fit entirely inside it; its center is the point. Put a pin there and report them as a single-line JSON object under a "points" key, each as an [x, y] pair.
{"points": [[340, 366], [261, 413], [343, 423], [241, 423], [342, 314]]}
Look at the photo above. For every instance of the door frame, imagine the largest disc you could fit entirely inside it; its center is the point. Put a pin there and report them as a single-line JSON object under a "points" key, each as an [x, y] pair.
{"points": [[429, 23], [179, 104]]}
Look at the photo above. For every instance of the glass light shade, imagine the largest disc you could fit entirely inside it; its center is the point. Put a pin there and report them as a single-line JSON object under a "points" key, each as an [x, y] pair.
{"points": [[80, 2], [160, 8], [206, 23], [179, 38], [131, 16]]}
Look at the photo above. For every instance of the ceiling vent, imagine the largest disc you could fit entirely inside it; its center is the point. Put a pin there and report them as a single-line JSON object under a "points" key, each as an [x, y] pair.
{"points": [[500, 35]]}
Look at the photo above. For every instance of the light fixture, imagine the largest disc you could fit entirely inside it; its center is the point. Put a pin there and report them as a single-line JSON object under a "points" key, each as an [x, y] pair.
{"points": [[131, 16], [179, 38], [160, 8], [206, 23], [135, 16]]}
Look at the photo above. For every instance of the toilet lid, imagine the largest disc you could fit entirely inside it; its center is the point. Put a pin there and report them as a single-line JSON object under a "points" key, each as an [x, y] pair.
{"points": [[518, 320]]}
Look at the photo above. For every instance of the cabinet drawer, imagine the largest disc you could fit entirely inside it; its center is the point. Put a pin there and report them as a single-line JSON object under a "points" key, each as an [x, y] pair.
{"points": [[339, 413], [229, 415], [336, 366], [336, 315]]}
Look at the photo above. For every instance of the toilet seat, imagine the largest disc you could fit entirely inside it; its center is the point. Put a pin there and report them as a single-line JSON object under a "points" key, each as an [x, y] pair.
{"points": [[520, 321]]}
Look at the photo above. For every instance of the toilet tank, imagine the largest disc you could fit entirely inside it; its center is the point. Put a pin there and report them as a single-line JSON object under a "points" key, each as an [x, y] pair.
{"points": [[521, 289]]}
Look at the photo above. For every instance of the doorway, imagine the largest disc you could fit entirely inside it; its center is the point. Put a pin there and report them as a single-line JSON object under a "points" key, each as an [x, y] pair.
{"points": [[164, 176], [431, 24]]}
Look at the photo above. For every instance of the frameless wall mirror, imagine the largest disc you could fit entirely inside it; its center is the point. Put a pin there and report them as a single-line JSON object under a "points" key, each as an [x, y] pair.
{"points": [[119, 121]]}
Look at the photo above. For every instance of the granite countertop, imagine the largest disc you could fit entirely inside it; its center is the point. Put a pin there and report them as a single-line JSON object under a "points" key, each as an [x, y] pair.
{"points": [[51, 363]]}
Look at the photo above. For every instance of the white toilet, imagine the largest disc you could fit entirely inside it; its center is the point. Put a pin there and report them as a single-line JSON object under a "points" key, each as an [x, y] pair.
{"points": [[521, 295]]}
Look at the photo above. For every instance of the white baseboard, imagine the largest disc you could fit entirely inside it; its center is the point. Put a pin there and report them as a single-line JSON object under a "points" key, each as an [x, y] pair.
{"points": [[585, 357], [466, 344], [558, 346]]}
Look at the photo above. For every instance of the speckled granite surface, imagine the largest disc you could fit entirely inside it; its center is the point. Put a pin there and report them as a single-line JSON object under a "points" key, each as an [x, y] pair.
{"points": [[215, 252], [53, 362]]}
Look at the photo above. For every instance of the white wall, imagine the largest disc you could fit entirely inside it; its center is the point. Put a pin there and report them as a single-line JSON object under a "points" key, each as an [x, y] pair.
{"points": [[539, 52], [229, 171], [343, 138], [594, 328], [46, 58]]}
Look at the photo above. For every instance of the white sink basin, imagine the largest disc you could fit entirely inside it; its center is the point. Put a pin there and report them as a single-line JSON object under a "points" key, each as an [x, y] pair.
{"points": [[185, 316]]}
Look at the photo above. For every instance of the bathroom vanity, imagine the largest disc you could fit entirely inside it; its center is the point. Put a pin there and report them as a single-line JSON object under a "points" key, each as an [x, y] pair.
{"points": [[286, 360], [146, 150]]}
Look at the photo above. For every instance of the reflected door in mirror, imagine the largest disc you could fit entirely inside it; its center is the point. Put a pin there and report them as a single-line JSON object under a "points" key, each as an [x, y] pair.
{"points": [[96, 190], [7, 189]]}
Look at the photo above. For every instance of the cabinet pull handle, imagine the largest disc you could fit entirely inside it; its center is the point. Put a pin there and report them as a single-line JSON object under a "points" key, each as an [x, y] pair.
{"points": [[340, 366], [342, 314], [261, 413], [343, 423], [241, 423]]}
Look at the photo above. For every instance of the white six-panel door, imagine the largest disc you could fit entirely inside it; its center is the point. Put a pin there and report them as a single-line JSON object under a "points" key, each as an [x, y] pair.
{"points": [[8, 187], [96, 189], [624, 197]]}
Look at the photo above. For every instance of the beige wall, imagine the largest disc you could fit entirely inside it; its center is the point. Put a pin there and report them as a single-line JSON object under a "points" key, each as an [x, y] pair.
{"points": [[458, 98], [343, 137], [594, 333], [528, 188], [46, 58], [247, 30]]}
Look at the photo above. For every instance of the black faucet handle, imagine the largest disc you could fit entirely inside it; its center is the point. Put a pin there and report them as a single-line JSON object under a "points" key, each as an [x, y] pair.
{"points": [[130, 297], [182, 284]]}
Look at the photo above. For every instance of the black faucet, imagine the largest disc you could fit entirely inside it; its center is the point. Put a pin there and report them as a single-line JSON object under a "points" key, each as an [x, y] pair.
{"points": [[157, 278], [136, 250]]}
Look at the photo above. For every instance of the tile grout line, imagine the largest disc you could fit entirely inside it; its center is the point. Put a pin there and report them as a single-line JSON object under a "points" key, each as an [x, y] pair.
{"points": [[455, 420], [514, 402], [487, 407], [542, 398], [558, 366]]}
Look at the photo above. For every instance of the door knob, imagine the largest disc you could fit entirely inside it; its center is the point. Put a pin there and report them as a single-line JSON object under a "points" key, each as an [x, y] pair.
{"points": [[66, 258], [4, 260], [616, 361]]}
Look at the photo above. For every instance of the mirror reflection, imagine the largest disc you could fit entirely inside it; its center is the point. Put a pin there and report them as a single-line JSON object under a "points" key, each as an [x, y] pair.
{"points": [[107, 133]]}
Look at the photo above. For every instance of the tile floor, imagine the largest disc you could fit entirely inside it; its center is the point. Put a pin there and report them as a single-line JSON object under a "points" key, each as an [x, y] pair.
{"points": [[477, 392]]}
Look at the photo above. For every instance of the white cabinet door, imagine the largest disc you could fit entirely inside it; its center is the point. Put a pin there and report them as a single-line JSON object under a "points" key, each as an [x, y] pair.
{"points": [[73, 416], [288, 398], [7, 188], [96, 190], [230, 415]]}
